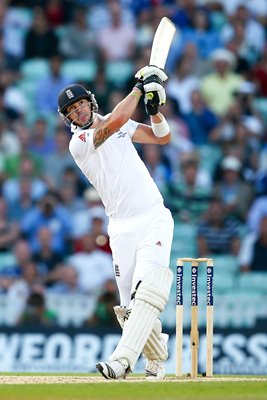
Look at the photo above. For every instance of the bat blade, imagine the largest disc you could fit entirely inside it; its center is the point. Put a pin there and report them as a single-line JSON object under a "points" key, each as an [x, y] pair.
{"points": [[162, 42]]}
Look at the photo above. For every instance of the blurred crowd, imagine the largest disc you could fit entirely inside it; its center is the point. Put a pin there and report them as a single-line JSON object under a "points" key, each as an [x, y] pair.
{"points": [[213, 174]]}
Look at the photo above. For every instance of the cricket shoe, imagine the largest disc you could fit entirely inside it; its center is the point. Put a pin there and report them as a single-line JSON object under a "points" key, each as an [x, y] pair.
{"points": [[117, 369], [154, 369]]}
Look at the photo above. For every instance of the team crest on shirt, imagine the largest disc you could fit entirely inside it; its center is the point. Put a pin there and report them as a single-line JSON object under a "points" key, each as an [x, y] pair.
{"points": [[82, 137], [121, 134]]}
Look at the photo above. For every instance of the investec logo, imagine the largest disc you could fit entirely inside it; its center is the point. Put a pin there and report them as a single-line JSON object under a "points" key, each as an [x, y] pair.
{"points": [[209, 286], [194, 287], [179, 286]]}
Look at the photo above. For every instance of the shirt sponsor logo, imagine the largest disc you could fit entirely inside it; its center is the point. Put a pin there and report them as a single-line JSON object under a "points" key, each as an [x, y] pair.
{"points": [[82, 137], [121, 134]]}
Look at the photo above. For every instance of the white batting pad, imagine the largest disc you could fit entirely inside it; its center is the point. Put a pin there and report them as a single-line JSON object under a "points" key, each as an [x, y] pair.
{"points": [[155, 288], [150, 299], [155, 347]]}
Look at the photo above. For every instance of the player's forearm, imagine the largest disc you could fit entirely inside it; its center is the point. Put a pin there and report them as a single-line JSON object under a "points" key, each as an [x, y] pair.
{"points": [[119, 116], [125, 109]]}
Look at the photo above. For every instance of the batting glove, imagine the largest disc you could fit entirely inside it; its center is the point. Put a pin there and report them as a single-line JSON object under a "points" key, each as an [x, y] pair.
{"points": [[154, 85], [150, 70]]}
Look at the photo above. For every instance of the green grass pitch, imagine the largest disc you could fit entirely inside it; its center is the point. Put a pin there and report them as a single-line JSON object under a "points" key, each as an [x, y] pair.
{"points": [[93, 387]]}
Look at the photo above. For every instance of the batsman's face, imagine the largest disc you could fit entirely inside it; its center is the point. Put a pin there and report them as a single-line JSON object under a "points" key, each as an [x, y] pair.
{"points": [[79, 112]]}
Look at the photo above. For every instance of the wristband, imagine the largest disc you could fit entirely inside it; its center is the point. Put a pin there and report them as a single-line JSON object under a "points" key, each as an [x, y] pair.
{"points": [[139, 85], [162, 129], [136, 94]]}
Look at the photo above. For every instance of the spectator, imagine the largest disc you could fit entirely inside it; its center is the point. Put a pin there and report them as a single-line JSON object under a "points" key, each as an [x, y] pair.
{"points": [[183, 13], [21, 257], [12, 186], [263, 160], [77, 40], [46, 256], [99, 14], [259, 74], [13, 162], [19, 292], [40, 40], [67, 282], [72, 176], [41, 144], [256, 212], [235, 194], [201, 34], [245, 98], [224, 133], [48, 87], [218, 86], [99, 229], [217, 234], [36, 313], [48, 213], [54, 11], [246, 146], [59, 159], [15, 24], [253, 252], [180, 139], [243, 53], [24, 201], [82, 220], [200, 66], [69, 198], [4, 61], [254, 32], [117, 42], [9, 231], [144, 29], [15, 100], [94, 267], [9, 143], [180, 85], [101, 87], [23, 254], [154, 161], [188, 198], [104, 315], [201, 120]]}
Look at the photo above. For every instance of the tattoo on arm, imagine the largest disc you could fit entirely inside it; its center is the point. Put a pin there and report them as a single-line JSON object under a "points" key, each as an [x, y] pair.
{"points": [[101, 134]]}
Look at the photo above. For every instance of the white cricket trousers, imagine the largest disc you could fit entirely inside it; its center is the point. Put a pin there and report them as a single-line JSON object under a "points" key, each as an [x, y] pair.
{"points": [[140, 244]]}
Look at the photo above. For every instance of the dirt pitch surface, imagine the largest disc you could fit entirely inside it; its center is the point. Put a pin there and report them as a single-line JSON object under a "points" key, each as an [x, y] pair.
{"points": [[53, 379]]}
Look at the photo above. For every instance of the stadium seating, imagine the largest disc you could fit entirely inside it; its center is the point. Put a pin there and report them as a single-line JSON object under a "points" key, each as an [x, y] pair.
{"points": [[79, 70]]}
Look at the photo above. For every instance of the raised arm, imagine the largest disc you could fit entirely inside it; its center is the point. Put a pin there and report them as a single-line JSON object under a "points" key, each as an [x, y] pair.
{"points": [[145, 133], [119, 116]]}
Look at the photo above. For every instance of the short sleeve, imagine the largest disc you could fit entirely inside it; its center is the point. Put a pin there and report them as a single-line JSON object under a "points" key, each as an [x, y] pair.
{"points": [[130, 127], [81, 145]]}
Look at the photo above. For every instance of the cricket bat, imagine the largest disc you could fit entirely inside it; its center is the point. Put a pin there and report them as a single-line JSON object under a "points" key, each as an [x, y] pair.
{"points": [[162, 43]]}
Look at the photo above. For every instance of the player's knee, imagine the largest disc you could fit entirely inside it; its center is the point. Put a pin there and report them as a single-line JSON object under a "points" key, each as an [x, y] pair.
{"points": [[155, 288]]}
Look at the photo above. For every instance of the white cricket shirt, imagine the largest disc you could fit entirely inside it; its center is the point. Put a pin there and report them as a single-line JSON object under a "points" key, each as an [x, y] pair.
{"points": [[116, 171]]}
